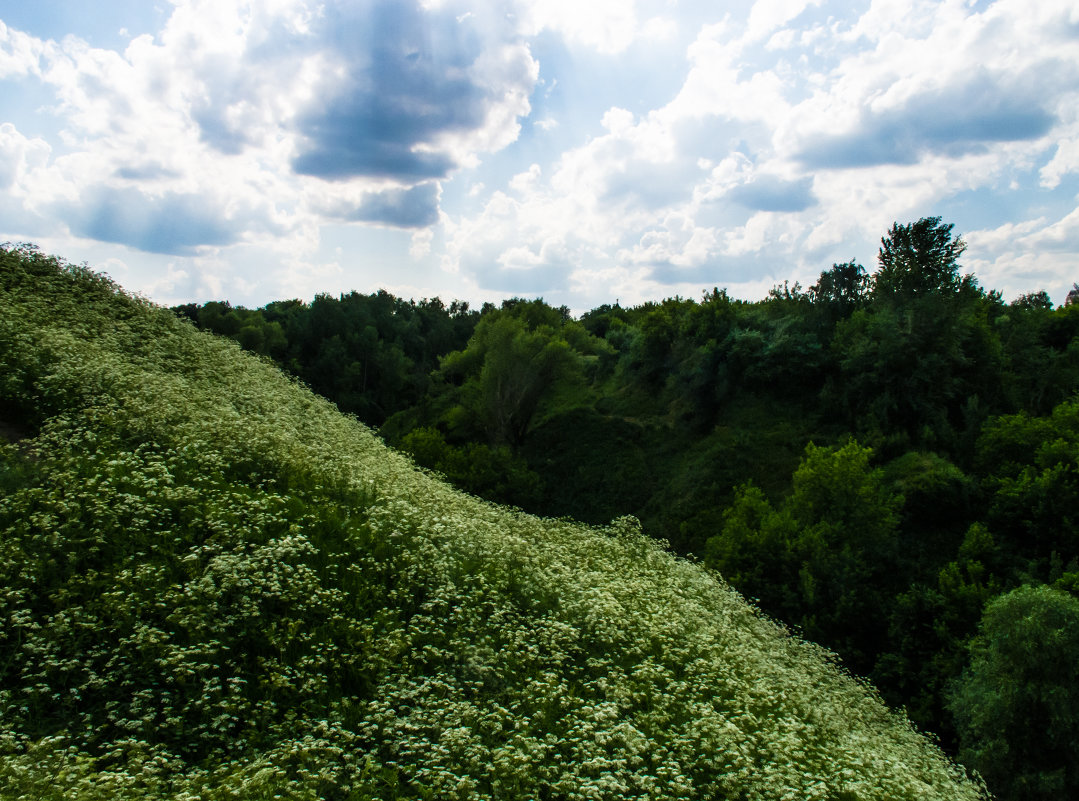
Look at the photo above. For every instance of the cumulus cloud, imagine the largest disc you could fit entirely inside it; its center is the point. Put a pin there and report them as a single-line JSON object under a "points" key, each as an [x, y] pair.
{"points": [[278, 114], [957, 119], [397, 106], [1027, 255], [767, 15], [171, 223], [20, 54], [19, 155], [606, 25], [414, 207], [769, 193], [477, 140], [145, 172], [795, 140]]}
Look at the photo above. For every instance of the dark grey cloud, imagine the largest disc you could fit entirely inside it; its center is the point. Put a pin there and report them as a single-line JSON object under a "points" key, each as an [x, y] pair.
{"points": [[768, 193], [415, 207], [408, 81], [953, 122], [173, 223]]}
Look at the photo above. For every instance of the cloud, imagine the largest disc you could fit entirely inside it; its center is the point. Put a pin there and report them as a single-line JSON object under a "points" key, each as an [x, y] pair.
{"points": [[1024, 256], [265, 119], [767, 15], [522, 271], [400, 106], [1065, 161], [145, 172], [783, 152], [20, 54], [645, 185], [673, 145], [393, 96], [957, 120], [769, 193], [19, 155], [608, 26], [171, 223], [720, 271], [420, 245], [414, 207]]}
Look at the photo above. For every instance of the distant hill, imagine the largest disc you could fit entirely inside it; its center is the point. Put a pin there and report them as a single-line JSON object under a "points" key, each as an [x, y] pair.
{"points": [[215, 585]]}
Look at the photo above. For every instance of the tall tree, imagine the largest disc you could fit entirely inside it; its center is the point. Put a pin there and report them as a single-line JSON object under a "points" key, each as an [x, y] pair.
{"points": [[919, 258]]}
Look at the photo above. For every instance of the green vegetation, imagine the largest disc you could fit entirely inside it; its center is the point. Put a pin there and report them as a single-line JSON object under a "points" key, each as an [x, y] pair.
{"points": [[214, 585], [1022, 673], [873, 459]]}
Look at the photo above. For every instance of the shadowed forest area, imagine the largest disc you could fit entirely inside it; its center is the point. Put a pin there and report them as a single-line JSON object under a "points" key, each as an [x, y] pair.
{"points": [[886, 461]]}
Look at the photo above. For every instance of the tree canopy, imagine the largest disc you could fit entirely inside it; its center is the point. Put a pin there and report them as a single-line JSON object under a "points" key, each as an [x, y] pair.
{"points": [[919, 258], [1017, 705]]}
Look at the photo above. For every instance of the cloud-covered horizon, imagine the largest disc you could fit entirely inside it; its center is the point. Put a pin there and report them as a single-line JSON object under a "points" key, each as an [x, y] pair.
{"points": [[634, 150]]}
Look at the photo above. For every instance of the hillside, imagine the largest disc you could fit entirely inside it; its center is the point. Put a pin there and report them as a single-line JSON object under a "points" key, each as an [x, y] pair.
{"points": [[215, 585]]}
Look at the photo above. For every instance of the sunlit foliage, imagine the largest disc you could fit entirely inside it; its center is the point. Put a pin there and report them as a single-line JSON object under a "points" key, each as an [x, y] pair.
{"points": [[214, 585]]}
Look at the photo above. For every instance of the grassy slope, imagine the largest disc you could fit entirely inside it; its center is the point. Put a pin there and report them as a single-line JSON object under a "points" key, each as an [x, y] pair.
{"points": [[214, 585]]}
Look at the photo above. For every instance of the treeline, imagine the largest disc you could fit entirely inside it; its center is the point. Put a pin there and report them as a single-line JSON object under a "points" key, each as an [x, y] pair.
{"points": [[372, 354], [888, 462]]}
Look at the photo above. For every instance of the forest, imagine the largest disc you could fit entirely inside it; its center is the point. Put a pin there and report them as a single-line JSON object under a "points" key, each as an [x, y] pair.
{"points": [[215, 585], [886, 461]]}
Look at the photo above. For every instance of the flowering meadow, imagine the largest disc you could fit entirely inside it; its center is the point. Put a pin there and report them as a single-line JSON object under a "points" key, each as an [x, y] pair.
{"points": [[213, 585]]}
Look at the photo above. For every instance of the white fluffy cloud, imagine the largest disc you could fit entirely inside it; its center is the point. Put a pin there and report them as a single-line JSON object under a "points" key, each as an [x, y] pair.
{"points": [[249, 145], [253, 121], [607, 25], [20, 157], [774, 160]]}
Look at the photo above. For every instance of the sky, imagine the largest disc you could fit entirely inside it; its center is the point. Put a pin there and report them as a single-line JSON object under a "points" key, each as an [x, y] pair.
{"points": [[585, 152]]}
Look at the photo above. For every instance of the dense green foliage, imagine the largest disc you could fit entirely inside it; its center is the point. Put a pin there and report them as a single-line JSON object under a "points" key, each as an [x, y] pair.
{"points": [[214, 585], [874, 458], [372, 354], [827, 559], [1018, 703]]}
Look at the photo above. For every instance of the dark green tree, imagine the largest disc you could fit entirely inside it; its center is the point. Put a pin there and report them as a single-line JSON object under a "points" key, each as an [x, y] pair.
{"points": [[845, 285], [839, 292], [825, 558], [929, 626], [1030, 475], [1017, 706], [491, 472], [507, 370], [919, 258], [916, 373], [1042, 351]]}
